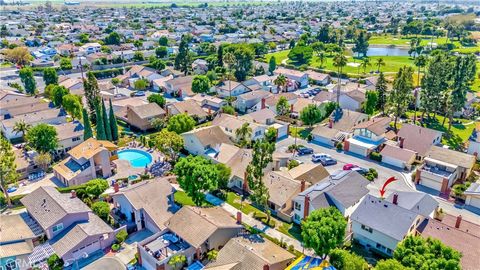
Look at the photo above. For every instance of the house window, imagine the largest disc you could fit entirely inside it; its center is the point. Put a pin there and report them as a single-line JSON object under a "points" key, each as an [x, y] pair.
{"points": [[11, 265], [57, 227], [75, 139], [297, 206], [258, 133], [296, 217], [366, 228]]}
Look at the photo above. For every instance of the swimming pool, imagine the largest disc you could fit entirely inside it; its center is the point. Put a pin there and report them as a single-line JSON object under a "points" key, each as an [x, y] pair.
{"points": [[137, 158]]}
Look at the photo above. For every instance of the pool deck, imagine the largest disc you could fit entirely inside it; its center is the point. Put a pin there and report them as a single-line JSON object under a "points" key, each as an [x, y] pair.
{"points": [[125, 169]]}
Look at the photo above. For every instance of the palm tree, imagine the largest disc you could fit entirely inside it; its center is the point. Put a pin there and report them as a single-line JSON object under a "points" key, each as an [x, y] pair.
{"points": [[21, 127], [379, 63], [365, 63], [229, 60], [322, 57], [420, 62], [339, 61], [280, 82], [242, 133]]}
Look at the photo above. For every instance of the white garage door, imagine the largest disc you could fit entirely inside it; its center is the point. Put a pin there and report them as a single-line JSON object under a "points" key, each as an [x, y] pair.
{"points": [[393, 162], [357, 150], [431, 184], [322, 140], [475, 202]]}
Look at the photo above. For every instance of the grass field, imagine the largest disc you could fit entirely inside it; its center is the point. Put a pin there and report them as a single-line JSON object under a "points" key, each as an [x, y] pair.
{"points": [[393, 63]]}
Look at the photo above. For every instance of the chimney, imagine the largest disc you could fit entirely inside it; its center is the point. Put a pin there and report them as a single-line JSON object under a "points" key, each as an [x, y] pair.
{"points": [[73, 194], [459, 221], [306, 206], [263, 104], [266, 267], [116, 187], [330, 123], [302, 186], [239, 217], [291, 107], [395, 199], [402, 140]]}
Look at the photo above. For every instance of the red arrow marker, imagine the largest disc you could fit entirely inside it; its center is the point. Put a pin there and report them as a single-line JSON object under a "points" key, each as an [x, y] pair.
{"points": [[389, 180]]}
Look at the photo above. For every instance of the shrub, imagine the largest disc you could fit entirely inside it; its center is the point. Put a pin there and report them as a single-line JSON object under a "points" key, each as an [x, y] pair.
{"points": [[376, 156], [115, 247], [121, 236], [339, 146], [292, 164], [101, 209]]}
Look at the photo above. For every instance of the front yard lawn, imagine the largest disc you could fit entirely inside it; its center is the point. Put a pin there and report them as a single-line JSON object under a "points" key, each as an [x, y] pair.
{"points": [[183, 199]]}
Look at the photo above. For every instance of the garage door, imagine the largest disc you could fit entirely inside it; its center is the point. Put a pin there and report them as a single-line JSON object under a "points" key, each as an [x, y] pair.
{"points": [[475, 202], [322, 140], [393, 162], [431, 184], [357, 150]]}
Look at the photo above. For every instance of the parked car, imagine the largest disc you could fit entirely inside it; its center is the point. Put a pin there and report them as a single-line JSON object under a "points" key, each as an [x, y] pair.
{"points": [[139, 94], [360, 170], [304, 151], [349, 166], [317, 157], [327, 161]]}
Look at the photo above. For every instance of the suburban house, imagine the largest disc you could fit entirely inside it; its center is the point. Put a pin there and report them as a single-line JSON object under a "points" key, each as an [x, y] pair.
{"points": [[474, 142], [265, 82], [300, 78], [74, 85], [246, 102], [237, 159], [230, 89], [20, 235], [472, 195], [210, 104], [251, 252], [147, 204], [192, 232], [69, 225], [205, 141], [372, 225], [343, 190], [267, 117], [200, 66], [318, 78], [340, 125], [141, 116], [443, 167], [89, 48], [179, 86], [270, 102], [69, 135], [139, 72], [398, 157], [86, 161], [457, 233], [48, 116], [352, 100], [230, 124], [418, 139], [191, 108], [367, 136], [285, 185]]}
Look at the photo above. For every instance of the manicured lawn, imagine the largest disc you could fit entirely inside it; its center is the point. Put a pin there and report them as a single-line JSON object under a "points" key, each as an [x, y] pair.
{"points": [[292, 230], [235, 201], [392, 63], [301, 132], [460, 132], [183, 199]]}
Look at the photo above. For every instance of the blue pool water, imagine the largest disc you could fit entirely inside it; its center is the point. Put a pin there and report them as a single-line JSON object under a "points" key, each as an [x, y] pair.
{"points": [[137, 158]]}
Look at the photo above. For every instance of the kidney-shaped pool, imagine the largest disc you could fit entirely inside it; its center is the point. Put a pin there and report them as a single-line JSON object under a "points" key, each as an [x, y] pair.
{"points": [[137, 158]]}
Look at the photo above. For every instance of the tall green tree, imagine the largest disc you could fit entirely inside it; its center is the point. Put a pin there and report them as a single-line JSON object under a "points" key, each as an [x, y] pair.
{"points": [[243, 134], [272, 64], [157, 98], [390, 264], [381, 88], [361, 44], [220, 56], [58, 92], [113, 39], [339, 61], [282, 107], [420, 62], [87, 127], [182, 60], [21, 127], [371, 102], [420, 253], [163, 41], [261, 157], [281, 83], [244, 56], [73, 105], [301, 54], [436, 80], [92, 93], [344, 260], [8, 167], [365, 64], [196, 175], [379, 63], [50, 76], [401, 94], [180, 123], [112, 119], [100, 126], [169, 143], [26, 76], [201, 84], [161, 52], [311, 115], [106, 122], [43, 138], [323, 230]]}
